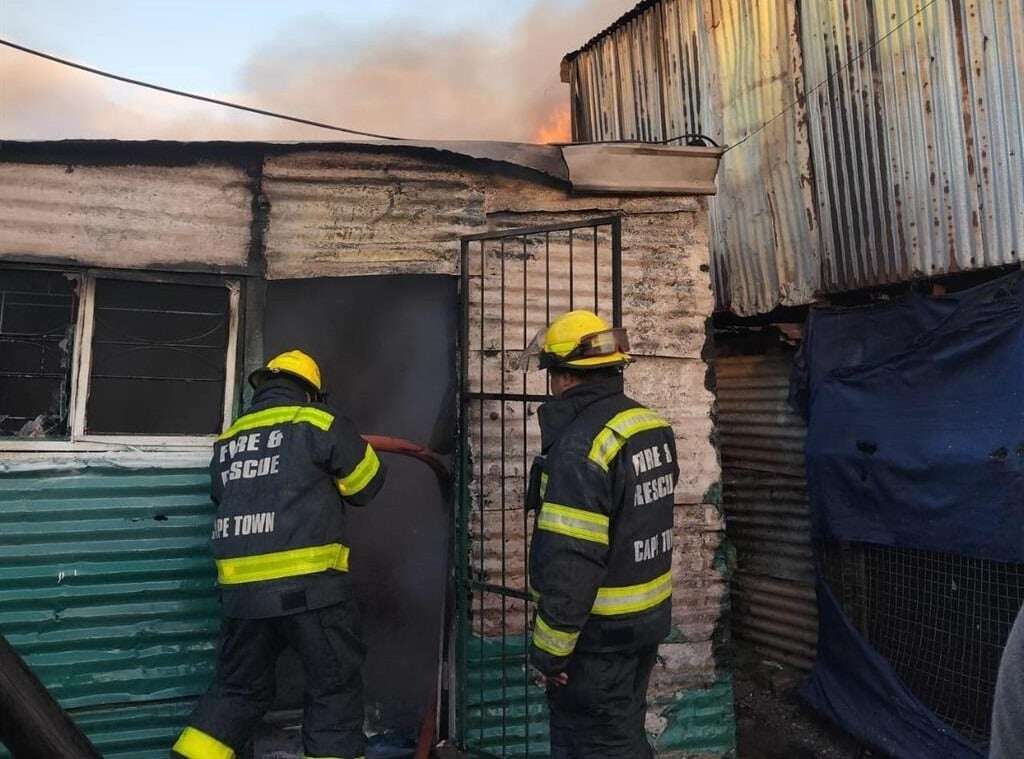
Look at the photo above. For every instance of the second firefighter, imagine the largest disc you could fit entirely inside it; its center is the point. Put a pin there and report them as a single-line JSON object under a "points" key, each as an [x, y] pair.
{"points": [[601, 554]]}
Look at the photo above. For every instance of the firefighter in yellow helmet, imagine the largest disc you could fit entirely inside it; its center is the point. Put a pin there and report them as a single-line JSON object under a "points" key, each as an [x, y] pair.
{"points": [[601, 553], [282, 477]]}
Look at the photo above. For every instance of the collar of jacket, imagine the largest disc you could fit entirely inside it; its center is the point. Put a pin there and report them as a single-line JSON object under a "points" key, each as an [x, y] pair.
{"points": [[558, 414], [278, 392]]}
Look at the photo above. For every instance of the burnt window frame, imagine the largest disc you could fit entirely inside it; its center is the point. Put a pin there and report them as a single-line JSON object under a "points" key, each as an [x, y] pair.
{"points": [[75, 277], [81, 365]]}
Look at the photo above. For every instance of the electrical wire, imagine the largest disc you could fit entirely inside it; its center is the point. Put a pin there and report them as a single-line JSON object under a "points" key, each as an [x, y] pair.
{"points": [[690, 136], [840, 70], [627, 141], [322, 125], [796, 101], [192, 95]]}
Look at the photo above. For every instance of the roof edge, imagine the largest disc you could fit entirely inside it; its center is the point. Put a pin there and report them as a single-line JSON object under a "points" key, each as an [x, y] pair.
{"points": [[626, 168], [625, 18], [541, 159]]}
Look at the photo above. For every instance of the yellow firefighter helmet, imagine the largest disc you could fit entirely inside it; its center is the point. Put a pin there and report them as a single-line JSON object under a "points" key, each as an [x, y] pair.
{"points": [[581, 340], [294, 363]]}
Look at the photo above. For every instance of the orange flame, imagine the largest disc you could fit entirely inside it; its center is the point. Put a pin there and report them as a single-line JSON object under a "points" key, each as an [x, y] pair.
{"points": [[556, 127]]}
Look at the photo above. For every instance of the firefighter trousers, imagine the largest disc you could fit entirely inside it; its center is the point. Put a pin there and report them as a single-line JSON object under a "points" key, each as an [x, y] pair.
{"points": [[600, 713], [329, 643]]}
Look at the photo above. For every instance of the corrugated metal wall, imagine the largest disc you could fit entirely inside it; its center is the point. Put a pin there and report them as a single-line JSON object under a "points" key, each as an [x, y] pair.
{"points": [[107, 591], [506, 714], [766, 509], [894, 145], [919, 144], [667, 301], [126, 215], [344, 213]]}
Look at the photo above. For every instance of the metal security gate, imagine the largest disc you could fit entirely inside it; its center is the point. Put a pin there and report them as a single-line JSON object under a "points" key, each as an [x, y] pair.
{"points": [[513, 283]]}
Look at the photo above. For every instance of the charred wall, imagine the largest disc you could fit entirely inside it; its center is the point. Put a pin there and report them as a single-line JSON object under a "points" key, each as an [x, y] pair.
{"points": [[381, 213], [319, 222], [126, 216]]}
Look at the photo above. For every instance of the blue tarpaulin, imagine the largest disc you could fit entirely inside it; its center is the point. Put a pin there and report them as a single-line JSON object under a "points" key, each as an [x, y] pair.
{"points": [[915, 440]]}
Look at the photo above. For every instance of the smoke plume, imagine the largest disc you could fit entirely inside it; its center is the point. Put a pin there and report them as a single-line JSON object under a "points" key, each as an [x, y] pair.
{"points": [[489, 84]]}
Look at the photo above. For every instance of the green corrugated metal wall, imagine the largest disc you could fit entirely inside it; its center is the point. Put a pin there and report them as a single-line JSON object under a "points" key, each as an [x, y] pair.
{"points": [[505, 716], [701, 722], [107, 591], [509, 719]]}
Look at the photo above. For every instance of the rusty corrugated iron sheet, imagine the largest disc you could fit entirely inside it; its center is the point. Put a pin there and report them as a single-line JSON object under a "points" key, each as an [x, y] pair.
{"points": [[766, 509], [906, 161], [126, 216], [340, 213]]}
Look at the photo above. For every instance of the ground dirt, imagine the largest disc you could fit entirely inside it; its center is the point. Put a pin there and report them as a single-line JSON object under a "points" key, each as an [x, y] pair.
{"points": [[773, 722]]}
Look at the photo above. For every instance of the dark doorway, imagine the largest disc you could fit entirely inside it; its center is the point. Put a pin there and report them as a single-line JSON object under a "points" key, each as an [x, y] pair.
{"points": [[387, 348]]}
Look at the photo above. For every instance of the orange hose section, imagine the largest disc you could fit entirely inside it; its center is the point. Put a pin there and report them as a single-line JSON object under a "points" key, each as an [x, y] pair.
{"points": [[402, 447]]}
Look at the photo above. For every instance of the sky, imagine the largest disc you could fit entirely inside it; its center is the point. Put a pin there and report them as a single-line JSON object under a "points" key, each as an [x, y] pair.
{"points": [[460, 69]]}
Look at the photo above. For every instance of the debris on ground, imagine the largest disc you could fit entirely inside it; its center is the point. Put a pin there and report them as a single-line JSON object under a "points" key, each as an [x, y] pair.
{"points": [[273, 742], [773, 722]]}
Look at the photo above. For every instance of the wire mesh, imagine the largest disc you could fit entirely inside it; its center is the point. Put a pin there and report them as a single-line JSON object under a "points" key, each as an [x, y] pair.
{"points": [[514, 282], [38, 312], [158, 340], [941, 620]]}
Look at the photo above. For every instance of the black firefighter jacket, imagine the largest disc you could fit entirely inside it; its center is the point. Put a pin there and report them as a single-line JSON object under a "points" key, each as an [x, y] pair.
{"points": [[281, 476], [601, 553]]}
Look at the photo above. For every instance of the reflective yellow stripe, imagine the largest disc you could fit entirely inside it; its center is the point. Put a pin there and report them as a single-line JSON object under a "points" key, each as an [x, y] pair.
{"points": [[575, 523], [273, 566], [195, 744], [543, 484], [618, 430], [280, 415], [630, 599], [360, 476], [554, 642]]}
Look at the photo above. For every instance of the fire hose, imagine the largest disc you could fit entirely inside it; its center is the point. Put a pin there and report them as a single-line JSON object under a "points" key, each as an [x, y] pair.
{"points": [[402, 447]]}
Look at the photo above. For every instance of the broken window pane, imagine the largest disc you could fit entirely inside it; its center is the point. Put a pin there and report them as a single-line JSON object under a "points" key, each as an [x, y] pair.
{"points": [[38, 311], [158, 358]]}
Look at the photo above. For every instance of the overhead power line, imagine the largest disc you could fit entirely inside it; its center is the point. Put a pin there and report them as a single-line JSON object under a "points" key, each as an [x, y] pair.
{"points": [[840, 70], [334, 127], [192, 95]]}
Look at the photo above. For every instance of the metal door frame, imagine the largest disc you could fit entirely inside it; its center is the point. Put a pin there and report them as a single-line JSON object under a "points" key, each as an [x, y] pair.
{"points": [[466, 581]]}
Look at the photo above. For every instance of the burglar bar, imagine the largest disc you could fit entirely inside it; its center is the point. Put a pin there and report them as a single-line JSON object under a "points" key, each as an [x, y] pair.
{"points": [[604, 221], [497, 732], [526, 469], [504, 574]]}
